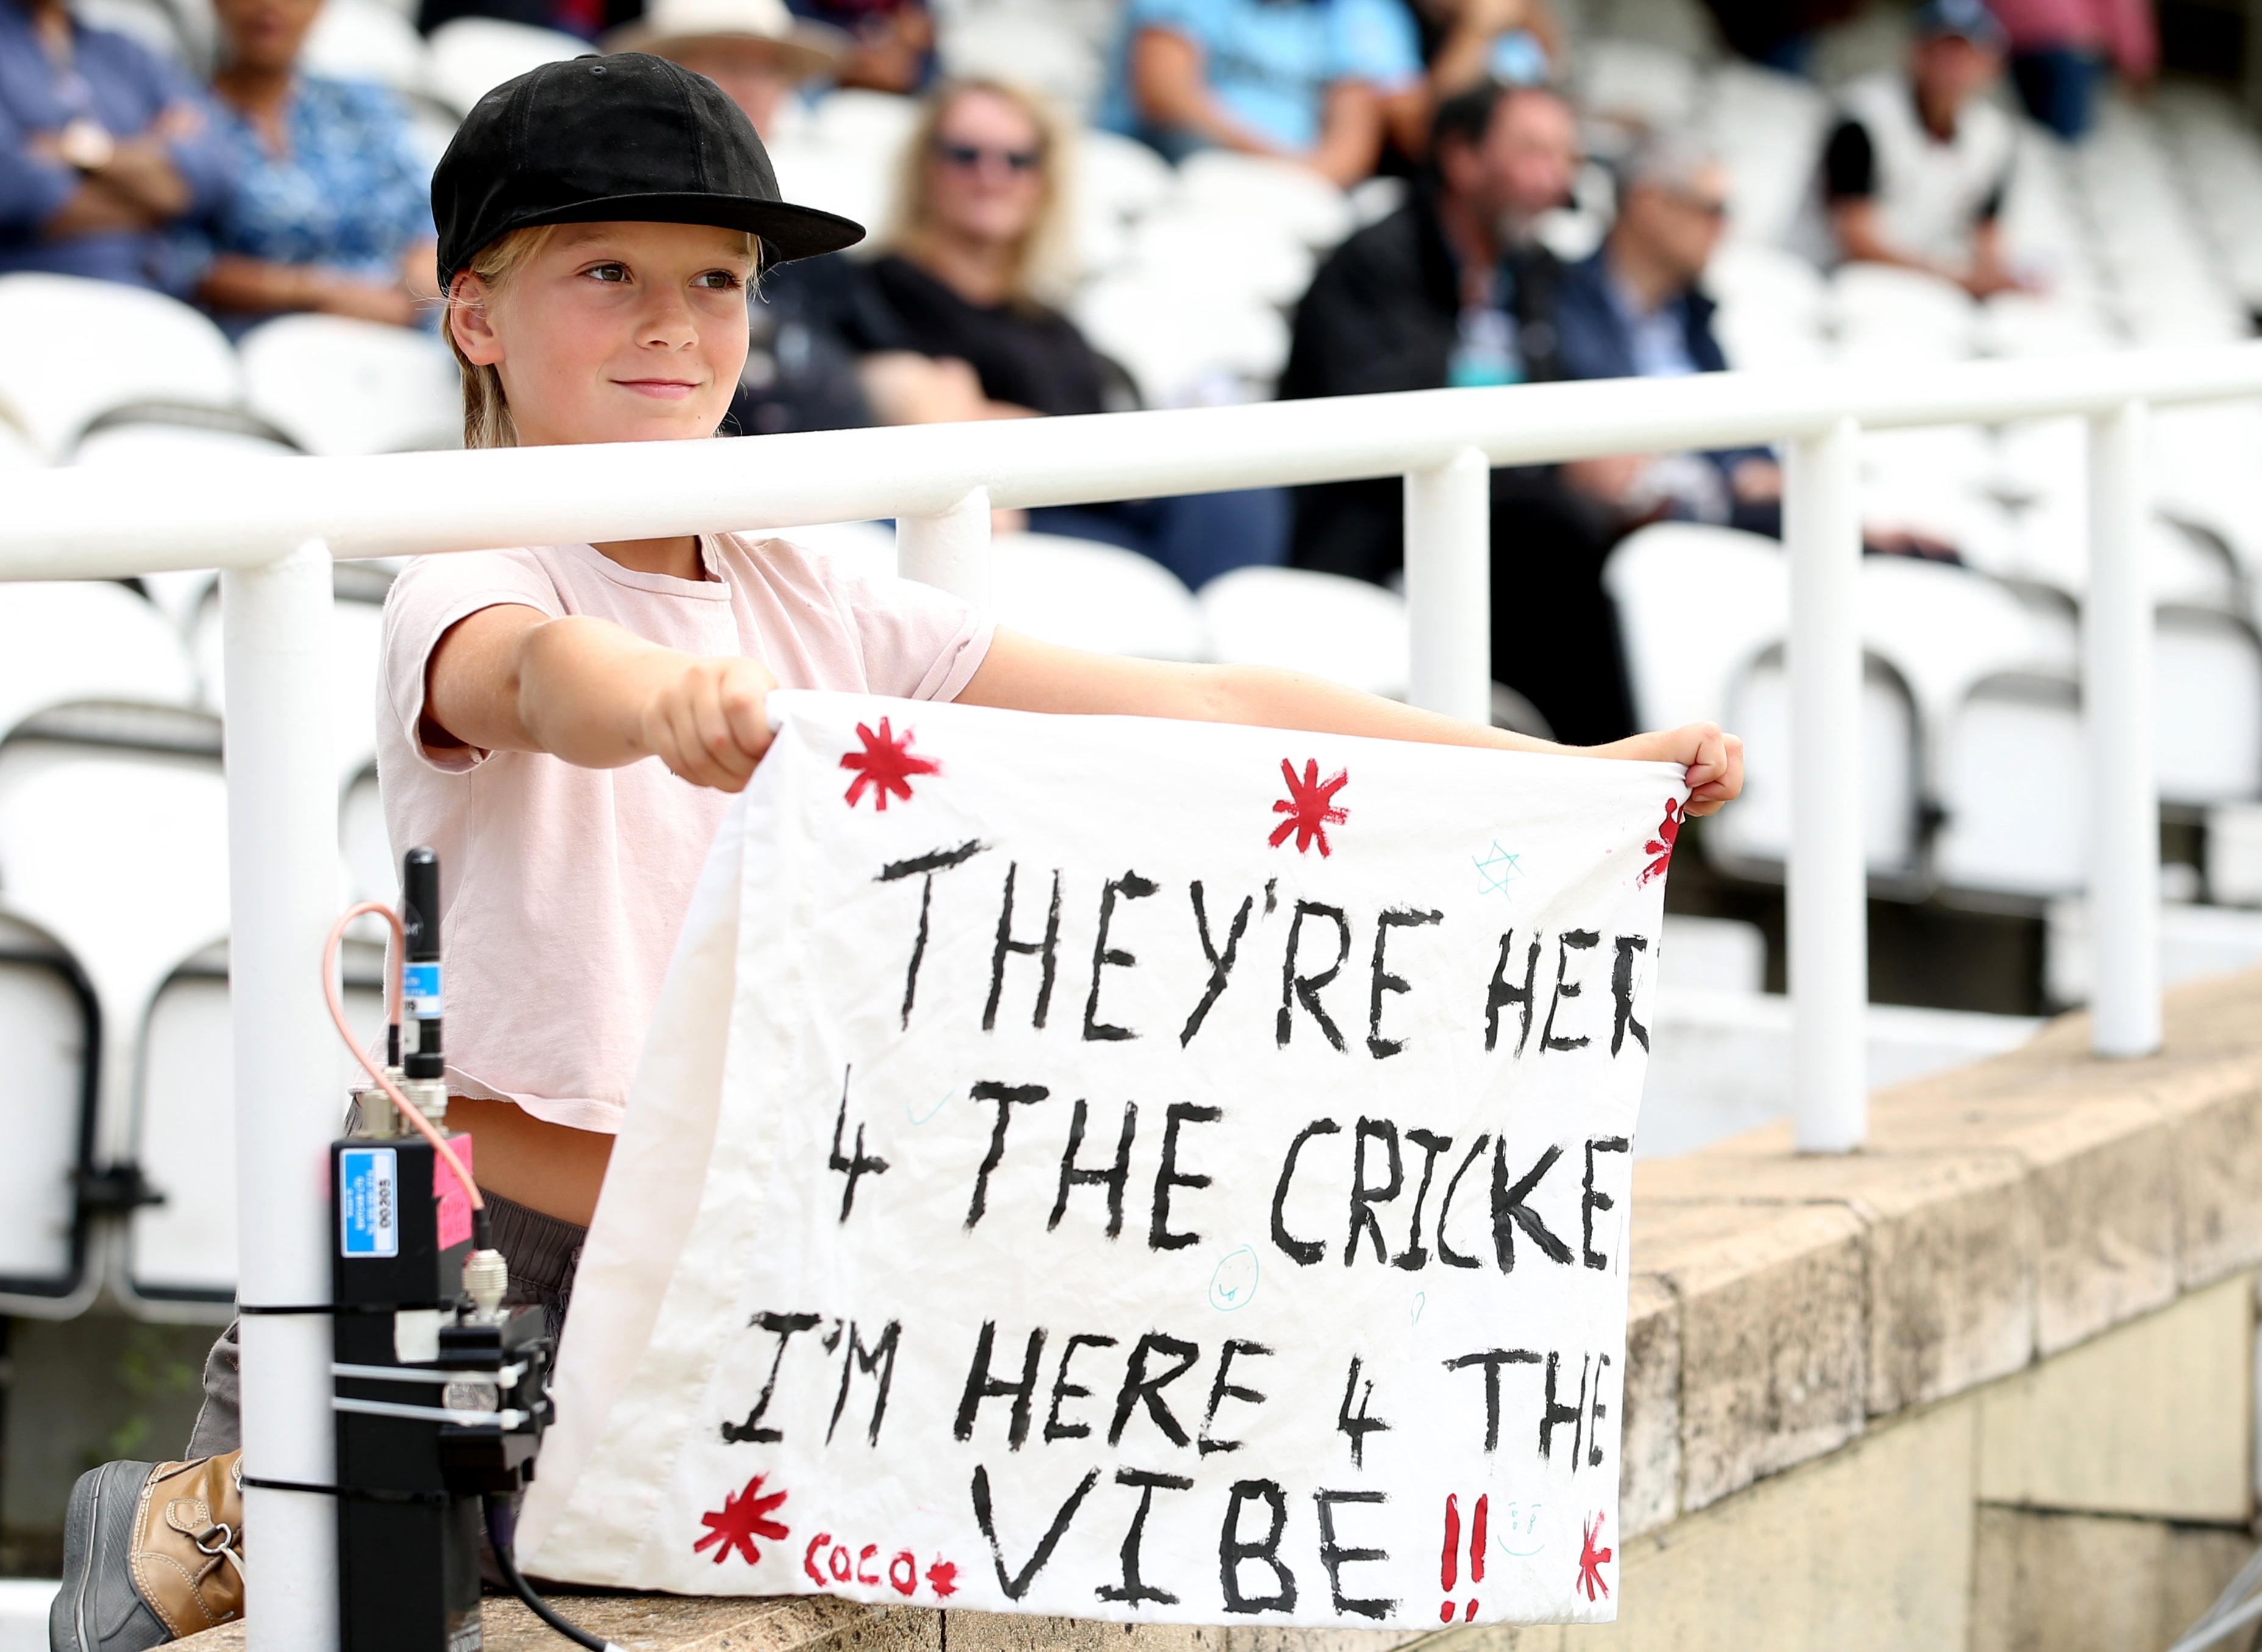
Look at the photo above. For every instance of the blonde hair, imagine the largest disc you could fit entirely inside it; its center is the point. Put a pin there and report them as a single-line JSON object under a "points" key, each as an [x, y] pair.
{"points": [[486, 409], [1043, 268]]}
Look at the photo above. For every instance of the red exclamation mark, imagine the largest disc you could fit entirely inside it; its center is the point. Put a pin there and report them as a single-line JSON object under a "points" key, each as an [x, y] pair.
{"points": [[1449, 1569], [1476, 1552]]}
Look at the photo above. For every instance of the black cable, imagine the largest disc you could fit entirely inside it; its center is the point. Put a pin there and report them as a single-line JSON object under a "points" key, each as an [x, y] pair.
{"points": [[499, 1522]]}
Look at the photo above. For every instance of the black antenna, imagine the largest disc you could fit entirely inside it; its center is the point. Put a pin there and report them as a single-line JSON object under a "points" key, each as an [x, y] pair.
{"points": [[419, 974]]}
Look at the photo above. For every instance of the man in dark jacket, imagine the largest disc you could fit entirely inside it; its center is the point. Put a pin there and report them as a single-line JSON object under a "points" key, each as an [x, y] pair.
{"points": [[1634, 310], [1452, 290]]}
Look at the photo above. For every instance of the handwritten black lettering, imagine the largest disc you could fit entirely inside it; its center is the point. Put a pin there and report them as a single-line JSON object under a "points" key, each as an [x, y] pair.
{"points": [[925, 867], [1511, 1208], [1552, 1414], [1223, 1389], [1008, 1096], [1364, 1197], [1360, 1427], [1413, 1258], [1303, 1252], [879, 1362], [1590, 1201], [1048, 949], [1383, 981], [1334, 1556], [1568, 941], [855, 1164], [1132, 1589], [981, 1385], [1114, 1179], [1139, 1386], [1492, 1360], [1131, 886], [1016, 1585], [1622, 1020], [1501, 993], [1168, 1175], [1232, 1550], [1305, 989], [1446, 1254], [1064, 1390], [785, 1328], [1220, 963]]}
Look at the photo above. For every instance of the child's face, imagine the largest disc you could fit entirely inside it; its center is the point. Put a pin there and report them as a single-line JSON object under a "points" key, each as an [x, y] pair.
{"points": [[615, 332]]}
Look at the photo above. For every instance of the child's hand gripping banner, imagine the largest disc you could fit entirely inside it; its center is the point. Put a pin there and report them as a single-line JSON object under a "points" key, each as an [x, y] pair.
{"points": [[1127, 1169]]}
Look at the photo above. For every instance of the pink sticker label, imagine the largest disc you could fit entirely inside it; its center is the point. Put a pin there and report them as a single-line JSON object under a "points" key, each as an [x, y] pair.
{"points": [[454, 1204]]}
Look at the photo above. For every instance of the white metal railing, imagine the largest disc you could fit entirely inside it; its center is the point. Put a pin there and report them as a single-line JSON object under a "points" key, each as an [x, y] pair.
{"points": [[273, 530]]}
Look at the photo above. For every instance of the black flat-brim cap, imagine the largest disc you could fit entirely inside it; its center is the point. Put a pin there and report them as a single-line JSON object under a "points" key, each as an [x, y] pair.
{"points": [[631, 138]]}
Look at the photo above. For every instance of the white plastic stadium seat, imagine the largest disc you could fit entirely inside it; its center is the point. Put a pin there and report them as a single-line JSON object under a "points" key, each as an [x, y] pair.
{"points": [[121, 855], [1084, 595], [335, 385], [876, 124], [154, 350], [1695, 605], [1944, 629], [1902, 312], [65, 641], [2208, 707], [45, 1027], [16, 452], [1026, 46], [183, 1250], [1344, 629], [472, 56], [154, 451], [2011, 789], [1179, 338], [1257, 190], [1758, 828], [368, 39], [1638, 82]]}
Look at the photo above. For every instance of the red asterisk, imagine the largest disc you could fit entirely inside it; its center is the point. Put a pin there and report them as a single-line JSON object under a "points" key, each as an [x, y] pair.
{"points": [[743, 1518], [1309, 805], [1661, 845], [886, 764], [942, 1577], [1591, 1562]]}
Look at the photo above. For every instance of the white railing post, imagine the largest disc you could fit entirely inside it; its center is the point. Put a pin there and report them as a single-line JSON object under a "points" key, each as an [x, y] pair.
{"points": [[283, 894], [2116, 696], [949, 550], [1449, 586], [1828, 901]]}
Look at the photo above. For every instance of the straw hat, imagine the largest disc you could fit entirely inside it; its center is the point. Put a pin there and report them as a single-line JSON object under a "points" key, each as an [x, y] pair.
{"points": [[669, 26]]}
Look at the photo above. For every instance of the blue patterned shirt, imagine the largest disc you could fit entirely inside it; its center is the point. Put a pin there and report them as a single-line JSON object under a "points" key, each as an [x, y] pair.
{"points": [[349, 193]]}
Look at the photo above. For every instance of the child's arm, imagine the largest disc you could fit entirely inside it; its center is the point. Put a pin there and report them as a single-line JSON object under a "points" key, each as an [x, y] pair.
{"points": [[508, 679], [1021, 674], [511, 678]]}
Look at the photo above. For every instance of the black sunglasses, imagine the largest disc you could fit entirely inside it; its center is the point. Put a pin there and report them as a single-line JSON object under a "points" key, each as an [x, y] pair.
{"points": [[969, 156]]}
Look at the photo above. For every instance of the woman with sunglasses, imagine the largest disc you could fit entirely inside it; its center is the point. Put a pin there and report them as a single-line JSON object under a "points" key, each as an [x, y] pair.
{"points": [[976, 254]]}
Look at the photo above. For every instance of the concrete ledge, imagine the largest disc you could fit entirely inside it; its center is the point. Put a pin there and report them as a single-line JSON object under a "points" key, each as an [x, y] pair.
{"points": [[2003, 1356]]}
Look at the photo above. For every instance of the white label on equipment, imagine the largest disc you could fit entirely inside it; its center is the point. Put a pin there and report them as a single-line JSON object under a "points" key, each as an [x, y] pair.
{"points": [[369, 1201], [420, 991]]}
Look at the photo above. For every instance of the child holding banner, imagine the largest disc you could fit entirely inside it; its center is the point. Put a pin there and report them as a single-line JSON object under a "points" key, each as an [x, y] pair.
{"points": [[600, 222]]}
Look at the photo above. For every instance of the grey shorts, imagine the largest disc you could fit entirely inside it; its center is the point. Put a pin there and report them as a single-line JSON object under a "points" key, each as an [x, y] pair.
{"points": [[542, 1253]]}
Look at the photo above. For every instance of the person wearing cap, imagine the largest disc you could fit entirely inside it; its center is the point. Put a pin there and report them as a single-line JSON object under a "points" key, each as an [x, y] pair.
{"points": [[757, 51], [1915, 169], [541, 710]]}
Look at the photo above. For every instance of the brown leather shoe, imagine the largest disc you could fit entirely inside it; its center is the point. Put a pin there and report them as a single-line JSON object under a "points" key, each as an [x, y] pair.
{"points": [[151, 1553]]}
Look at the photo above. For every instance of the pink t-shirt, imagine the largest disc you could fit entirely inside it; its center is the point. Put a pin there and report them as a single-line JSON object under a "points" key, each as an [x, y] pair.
{"points": [[562, 889]]}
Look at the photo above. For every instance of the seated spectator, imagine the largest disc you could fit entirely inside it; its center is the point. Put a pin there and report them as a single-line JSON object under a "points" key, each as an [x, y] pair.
{"points": [[972, 259], [1452, 290], [2060, 49], [893, 49], [1518, 42], [1915, 169], [1304, 80], [331, 211], [105, 149], [1635, 310], [757, 51]]}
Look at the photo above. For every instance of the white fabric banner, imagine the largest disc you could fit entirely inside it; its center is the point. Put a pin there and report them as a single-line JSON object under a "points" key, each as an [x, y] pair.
{"points": [[1127, 1169]]}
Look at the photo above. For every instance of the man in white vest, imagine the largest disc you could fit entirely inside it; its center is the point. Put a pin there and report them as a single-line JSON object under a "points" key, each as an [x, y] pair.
{"points": [[1915, 172]]}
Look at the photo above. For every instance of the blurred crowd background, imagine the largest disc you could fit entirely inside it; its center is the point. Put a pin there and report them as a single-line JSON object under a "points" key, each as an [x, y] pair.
{"points": [[216, 248]]}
